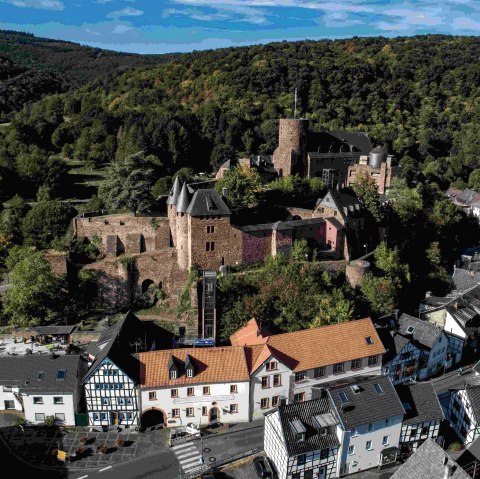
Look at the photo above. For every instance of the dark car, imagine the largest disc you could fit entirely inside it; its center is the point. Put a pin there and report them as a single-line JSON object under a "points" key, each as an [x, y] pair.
{"points": [[262, 468]]}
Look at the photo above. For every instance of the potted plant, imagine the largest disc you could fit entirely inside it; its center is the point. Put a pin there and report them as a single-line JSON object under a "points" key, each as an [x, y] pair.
{"points": [[79, 452], [102, 449], [119, 442], [84, 440]]}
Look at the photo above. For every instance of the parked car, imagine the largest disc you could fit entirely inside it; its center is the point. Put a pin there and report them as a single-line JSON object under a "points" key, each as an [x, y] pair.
{"points": [[262, 468], [464, 370]]}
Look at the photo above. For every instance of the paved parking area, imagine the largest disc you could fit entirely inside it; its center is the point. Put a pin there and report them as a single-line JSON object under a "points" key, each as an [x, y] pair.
{"points": [[35, 445], [242, 469]]}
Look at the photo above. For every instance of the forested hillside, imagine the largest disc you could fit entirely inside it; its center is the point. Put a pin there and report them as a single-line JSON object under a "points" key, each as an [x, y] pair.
{"points": [[418, 95], [32, 67]]}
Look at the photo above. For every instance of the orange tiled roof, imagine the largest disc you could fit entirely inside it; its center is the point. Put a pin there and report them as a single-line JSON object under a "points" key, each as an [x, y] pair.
{"points": [[249, 334], [313, 348], [212, 365]]}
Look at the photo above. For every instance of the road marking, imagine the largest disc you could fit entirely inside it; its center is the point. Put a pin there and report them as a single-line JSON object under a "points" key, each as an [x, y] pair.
{"points": [[83, 477], [105, 468], [182, 446], [186, 454], [186, 462]]}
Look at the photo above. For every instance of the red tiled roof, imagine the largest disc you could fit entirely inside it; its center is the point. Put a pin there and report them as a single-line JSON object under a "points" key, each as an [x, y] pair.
{"points": [[249, 334]]}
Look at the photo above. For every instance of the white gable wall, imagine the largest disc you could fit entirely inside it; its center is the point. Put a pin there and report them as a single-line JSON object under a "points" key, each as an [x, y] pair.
{"points": [[48, 407], [7, 393]]}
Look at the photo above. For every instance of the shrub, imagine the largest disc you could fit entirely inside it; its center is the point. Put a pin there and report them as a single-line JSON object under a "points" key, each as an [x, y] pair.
{"points": [[455, 447], [49, 421]]}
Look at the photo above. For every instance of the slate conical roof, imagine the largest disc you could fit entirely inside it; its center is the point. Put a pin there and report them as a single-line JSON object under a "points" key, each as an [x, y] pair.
{"points": [[174, 192], [182, 201]]}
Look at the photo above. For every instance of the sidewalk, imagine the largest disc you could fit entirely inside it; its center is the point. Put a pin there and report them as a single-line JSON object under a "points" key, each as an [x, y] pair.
{"points": [[35, 444]]}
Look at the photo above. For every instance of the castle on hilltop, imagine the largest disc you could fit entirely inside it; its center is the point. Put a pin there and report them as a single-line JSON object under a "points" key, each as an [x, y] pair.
{"points": [[335, 156]]}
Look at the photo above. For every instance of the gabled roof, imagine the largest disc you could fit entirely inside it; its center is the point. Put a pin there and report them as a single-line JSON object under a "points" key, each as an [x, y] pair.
{"points": [[207, 202], [467, 197], [212, 365], [345, 201], [333, 141], [429, 462], [304, 414], [312, 348], [464, 279], [117, 347], [420, 402], [424, 333], [249, 334], [367, 405], [473, 394], [38, 373]]}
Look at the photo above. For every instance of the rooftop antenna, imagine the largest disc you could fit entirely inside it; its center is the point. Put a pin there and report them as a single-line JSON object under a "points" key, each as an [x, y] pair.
{"points": [[295, 112]]}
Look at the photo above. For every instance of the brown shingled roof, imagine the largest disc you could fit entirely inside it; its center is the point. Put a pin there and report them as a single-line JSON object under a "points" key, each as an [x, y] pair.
{"points": [[312, 348], [212, 365], [249, 334]]}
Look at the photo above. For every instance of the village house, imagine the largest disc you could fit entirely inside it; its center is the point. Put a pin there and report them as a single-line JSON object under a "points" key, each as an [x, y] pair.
{"points": [[301, 439], [370, 414], [416, 349], [423, 415], [463, 413], [42, 386], [111, 381], [194, 385], [430, 461]]}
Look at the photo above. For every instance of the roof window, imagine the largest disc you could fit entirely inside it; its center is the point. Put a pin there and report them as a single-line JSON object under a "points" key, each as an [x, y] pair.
{"points": [[410, 329], [61, 373], [378, 388], [369, 340], [343, 397]]}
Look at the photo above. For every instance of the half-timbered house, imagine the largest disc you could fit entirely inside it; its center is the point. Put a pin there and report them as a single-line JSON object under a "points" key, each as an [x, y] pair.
{"points": [[463, 412], [423, 415], [302, 440]]}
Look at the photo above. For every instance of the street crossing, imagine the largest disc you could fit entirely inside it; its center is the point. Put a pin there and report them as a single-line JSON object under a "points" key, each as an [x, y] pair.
{"points": [[189, 455]]}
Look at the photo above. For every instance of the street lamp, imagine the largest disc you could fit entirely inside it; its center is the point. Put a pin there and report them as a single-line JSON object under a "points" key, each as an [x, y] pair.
{"points": [[365, 246]]}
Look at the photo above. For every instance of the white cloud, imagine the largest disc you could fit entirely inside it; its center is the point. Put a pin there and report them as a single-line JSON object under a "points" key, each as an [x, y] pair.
{"points": [[464, 23], [121, 28], [125, 12], [41, 4]]}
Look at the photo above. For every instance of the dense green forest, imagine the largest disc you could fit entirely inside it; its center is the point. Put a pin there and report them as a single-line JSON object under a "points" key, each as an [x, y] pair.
{"points": [[32, 67]]}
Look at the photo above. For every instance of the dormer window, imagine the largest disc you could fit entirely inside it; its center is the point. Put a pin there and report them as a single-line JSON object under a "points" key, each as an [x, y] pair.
{"points": [[322, 431], [300, 437], [298, 430], [173, 374], [189, 373], [189, 366]]}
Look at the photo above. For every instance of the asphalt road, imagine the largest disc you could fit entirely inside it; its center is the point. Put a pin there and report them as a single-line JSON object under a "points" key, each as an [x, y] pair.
{"points": [[160, 466], [450, 380]]}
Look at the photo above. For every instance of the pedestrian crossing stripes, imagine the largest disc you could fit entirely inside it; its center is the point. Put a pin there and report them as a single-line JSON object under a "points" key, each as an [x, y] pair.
{"points": [[189, 455]]}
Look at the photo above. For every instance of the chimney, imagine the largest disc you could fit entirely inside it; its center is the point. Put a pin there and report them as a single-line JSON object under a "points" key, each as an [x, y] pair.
{"points": [[259, 329], [428, 294]]}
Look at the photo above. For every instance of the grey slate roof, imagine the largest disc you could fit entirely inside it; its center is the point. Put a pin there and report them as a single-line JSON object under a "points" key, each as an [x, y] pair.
{"points": [[426, 334], [53, 329], [332, 141], [117, 346], [420, 402], [345, 201], [207, 202], [284, 225], [467, 196], [182, 201], [366, 406], [23, 371], [305, 412], [428, 462], [464, 279], [473, 393], [174, 192]]}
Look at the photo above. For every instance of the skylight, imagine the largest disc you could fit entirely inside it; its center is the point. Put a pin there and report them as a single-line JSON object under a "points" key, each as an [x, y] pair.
{"points": [[378, 388], [40, 375], [343, 397], [61, 373], [410, 329], [369, 340]]}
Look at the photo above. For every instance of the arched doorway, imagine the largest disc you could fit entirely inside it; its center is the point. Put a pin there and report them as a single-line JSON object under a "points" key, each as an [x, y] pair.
{"points": [[146, 284], [214, 415], [152, 417]]}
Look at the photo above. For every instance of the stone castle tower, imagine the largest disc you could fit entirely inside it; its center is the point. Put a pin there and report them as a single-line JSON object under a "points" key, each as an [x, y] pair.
{"points": [[291, 155], [181, 227], [172, 210]]}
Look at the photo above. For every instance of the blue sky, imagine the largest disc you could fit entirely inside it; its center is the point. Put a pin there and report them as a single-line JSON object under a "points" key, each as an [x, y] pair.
{"points": [[163, 26]]}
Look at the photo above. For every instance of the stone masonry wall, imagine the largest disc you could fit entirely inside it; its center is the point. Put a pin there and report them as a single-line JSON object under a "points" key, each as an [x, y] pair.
{"points": [[227, 241], [257, 245], [124, 225]]}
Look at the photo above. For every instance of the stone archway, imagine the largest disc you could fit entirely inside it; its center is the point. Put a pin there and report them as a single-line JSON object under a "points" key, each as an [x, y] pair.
{"points": [[153, 417], [146, 284]]}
